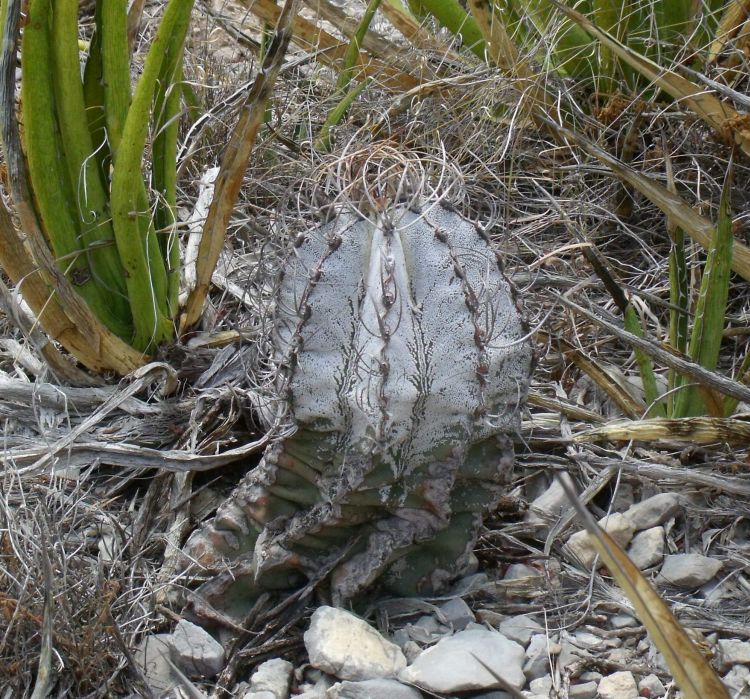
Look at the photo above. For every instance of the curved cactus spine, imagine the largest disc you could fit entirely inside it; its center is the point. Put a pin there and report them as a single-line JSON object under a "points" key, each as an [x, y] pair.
{"points": [[403, 363]]}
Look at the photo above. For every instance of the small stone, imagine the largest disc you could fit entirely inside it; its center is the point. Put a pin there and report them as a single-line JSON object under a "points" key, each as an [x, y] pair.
{"points": [[732, 651], [550, 505], [456, 613], [654, 510], [452, 664], [373, 689], [591, 676], [585, 690], [620, 656], [541, 685], [622, 621], [737, 679], [494, 619], [346, 646], [588, 640], [579, 547], [687, 570], [195, 651], [647, 547], [425, 629], [653, 685], [538, 654], [520, 628], [618, 685], [273, 677], [152, 656]]}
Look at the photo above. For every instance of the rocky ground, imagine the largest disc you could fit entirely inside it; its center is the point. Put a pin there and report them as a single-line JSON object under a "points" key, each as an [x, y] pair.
{"points": [[100, 487]]}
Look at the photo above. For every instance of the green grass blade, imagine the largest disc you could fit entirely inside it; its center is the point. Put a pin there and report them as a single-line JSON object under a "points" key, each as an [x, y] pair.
{"points": [[136, 240], [90, 199], [679, 286], [352, 52], [334, 117], [572, 47], [47, 170], [454, 18], [164, 156], [93, 94], [710, 311], [115, 67], [645, 366]]}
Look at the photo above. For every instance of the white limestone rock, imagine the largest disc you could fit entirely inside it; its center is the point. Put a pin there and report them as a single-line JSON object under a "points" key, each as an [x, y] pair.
{"points": [[347, 647], [688, 570], [452, 664], [373, 689], [271, 680], [654, 510], [618, 685], [647, 547], [580, 549], [195, 651], [520, 628]]}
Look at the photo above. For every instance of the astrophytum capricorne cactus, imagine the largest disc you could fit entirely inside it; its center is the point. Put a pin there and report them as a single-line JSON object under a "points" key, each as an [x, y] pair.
{"points": [[403, 362]]}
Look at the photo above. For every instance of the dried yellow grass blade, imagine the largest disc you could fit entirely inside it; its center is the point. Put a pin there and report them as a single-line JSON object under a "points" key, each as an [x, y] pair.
{"points": [[735, 13], [693, 430], [413, 31], [631, 407], [691, 671], [720, 116], [699, 228], [327, 49]]}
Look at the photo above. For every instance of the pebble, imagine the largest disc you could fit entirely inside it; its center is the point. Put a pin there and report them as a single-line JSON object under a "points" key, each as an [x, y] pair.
{"points": [[452, 664], [373, 689], [271, 680], [152, 655], [622, 621], [520, 628], [541, 647], [425, 630], [653, 685], [548, 507], [647, 547], [654, 510], [456, 613], [737, 679], [579, 547], [197, 652], [618, 685], [585, 690], [541, 685], [732, 651], [687, 570], [347, 647]]}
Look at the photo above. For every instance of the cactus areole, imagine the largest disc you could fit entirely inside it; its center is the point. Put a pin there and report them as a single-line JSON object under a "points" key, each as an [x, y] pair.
{"points": [[403, 363]]}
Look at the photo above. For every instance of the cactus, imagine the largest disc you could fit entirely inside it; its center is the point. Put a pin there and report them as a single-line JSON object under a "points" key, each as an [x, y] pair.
{"points": [[402, 362]]}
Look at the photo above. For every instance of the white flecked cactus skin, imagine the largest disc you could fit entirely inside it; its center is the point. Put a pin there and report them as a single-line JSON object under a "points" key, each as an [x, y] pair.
{"points": [[403, 361]]}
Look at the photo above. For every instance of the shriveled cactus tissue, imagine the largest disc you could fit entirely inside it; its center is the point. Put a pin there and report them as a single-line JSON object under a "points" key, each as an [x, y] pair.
{"points": [[403, 363]]}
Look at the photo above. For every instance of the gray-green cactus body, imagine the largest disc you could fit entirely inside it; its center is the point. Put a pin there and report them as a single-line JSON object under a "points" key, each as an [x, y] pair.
{"points": [[403, 362]]}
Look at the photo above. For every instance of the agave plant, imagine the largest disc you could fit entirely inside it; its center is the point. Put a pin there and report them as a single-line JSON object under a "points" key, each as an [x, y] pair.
{"points": [[401, 363]]}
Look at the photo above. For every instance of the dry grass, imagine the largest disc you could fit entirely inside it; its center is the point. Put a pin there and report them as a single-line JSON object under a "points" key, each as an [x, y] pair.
{"points": [[531, 193]]}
